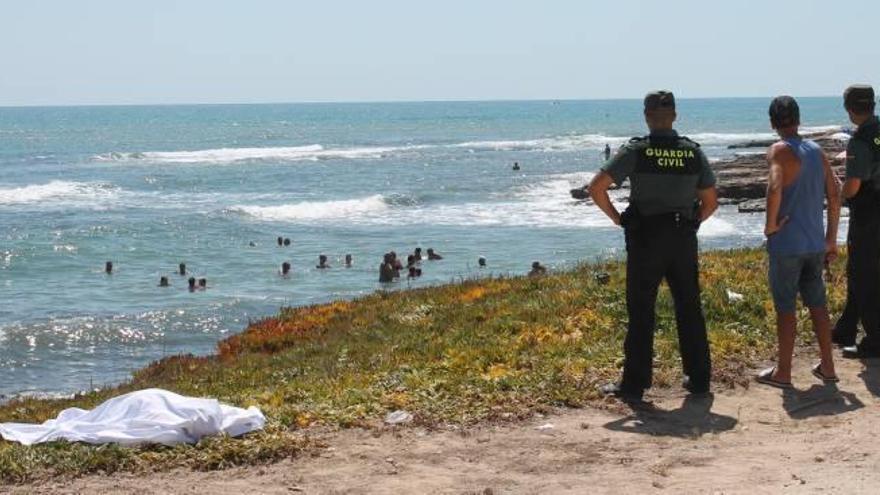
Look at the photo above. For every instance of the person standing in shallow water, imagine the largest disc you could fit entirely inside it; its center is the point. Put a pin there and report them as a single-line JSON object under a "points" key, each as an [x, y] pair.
{"points": [[672, 191], [798, 244], [862, 190], [607, 152]]}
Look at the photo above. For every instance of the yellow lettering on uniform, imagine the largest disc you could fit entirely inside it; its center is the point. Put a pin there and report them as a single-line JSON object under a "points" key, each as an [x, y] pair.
{"points": [[649, 152], [877, 141]]}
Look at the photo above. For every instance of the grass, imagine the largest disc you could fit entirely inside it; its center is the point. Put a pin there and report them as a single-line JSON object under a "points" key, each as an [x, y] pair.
{"points": [[482, 350]]}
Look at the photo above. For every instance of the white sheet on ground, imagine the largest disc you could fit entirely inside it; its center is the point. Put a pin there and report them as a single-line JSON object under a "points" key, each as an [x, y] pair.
{"points": [[145, 416]]}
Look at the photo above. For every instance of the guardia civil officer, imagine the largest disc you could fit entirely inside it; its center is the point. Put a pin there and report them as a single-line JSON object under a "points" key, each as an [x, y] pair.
{"points": [[672, 190], [862, 190]]}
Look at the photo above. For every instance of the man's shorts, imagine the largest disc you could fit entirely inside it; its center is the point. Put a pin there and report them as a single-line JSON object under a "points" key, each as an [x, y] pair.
{"points": [[790, 275]]}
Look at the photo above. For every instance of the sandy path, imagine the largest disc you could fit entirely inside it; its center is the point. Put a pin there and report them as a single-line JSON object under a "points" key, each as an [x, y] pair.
{"points": [[760, 440]]}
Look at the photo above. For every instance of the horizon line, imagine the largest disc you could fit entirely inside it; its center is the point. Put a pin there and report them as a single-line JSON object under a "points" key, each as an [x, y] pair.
{"points": [[376, 102]]}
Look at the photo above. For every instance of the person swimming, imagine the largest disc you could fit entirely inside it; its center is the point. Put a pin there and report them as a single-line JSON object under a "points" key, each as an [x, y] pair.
{"points": [[286, 241], [348, 261], [203, 283], [481, 261], [414, 272], [322, 262], [537, 269], [515, 165], [418, 254], [433, 256], [280, 241], [410, 261], [285, 269], [163, 282], [607, 152], [192, 284], [386, 269], [181, 269], [108, 267], [396, 264]]}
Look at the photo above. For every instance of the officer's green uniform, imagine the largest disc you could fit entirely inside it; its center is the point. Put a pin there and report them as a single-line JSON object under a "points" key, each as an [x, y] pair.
{"points": [[665, 172], [863, 238]]}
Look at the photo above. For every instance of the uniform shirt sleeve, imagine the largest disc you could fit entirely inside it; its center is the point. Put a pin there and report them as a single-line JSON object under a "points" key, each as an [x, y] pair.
{"points": [[858, 160], [707, 176], [621, 164]]}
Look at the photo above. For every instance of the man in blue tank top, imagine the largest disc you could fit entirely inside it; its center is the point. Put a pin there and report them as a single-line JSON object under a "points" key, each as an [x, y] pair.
{"points": [[798, 242]]}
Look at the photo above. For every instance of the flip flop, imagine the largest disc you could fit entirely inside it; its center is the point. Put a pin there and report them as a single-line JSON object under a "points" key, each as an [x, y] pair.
{"points": [[817, 372], [766, 378]]}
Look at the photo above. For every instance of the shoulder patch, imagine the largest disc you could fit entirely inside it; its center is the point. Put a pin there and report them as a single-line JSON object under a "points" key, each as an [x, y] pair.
{"points": [[638, 139]]}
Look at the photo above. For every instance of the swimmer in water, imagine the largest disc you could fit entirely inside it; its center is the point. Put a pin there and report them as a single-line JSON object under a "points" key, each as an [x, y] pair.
{"points": [[285, 269], [432, 256], [607, 152], [163, 282], [386, 269], [537, 269], [418, 254], [286, 241], [482, 262], [348, 261], [192, 284], [203, 283], [515, 165], [396, 264], [181, 269], [280, 241], [108, 267], [322, 262]]}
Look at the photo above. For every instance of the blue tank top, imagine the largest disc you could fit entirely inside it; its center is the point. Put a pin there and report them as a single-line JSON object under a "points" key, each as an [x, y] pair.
{"points": [[803, 202]]}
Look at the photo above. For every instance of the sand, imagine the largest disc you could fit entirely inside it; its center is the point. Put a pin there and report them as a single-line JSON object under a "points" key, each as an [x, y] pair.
{"points": [[754, 440]]}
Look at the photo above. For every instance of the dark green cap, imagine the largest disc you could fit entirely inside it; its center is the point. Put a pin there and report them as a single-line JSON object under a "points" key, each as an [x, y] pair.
{"points": [[858, 95], [784, 112], [659, 100]]}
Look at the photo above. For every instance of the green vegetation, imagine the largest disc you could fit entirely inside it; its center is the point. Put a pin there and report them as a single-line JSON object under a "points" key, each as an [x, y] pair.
{"points": [[482, 350]]}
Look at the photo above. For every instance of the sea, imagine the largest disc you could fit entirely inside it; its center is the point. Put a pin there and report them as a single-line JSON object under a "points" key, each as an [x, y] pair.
{"points": [[214, 186]]}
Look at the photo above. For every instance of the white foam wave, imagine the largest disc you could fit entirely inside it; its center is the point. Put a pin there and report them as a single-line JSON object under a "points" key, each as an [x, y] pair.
{"points": [[57, 191], [313, 152], [561, 143], [544, 204], [316, 210], [230, 155]]}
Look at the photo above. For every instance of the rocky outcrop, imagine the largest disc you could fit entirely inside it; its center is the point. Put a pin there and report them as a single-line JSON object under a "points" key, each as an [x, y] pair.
{"points": [[742, 180]]}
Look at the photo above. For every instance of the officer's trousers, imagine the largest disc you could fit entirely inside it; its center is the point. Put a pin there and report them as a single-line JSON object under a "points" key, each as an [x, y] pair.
{"points": [[863, 282], [658, 250]]}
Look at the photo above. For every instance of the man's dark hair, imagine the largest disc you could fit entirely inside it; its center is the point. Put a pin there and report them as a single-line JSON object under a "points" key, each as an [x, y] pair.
{"points": [[784, 112], [859, 99]]}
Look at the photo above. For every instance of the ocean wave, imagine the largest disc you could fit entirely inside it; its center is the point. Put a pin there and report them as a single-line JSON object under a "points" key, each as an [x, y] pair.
{"points": [[57, 191], [315, 152], [316, 210], [561, 143], [312, 152]]}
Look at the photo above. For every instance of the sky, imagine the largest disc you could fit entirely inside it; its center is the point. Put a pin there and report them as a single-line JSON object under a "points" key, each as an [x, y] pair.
{"points": [[56, 52]]}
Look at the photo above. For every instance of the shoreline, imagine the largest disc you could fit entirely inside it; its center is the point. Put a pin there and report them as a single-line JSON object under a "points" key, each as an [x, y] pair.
{"points": [[468, 353]]}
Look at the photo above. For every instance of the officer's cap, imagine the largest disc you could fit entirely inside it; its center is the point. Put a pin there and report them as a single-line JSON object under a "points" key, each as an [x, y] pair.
{"points": [[858, 95], [784, 112], [659, 100]]}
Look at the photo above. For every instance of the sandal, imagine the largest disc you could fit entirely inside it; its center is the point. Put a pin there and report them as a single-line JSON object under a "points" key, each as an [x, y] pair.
{"points": [[817, 372], [766, 378]]}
